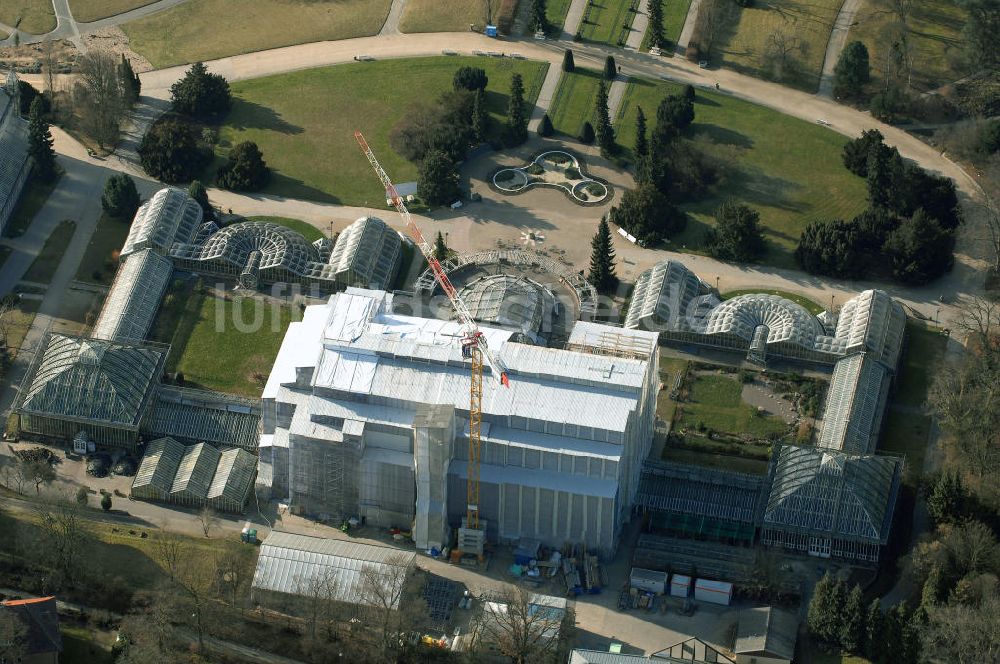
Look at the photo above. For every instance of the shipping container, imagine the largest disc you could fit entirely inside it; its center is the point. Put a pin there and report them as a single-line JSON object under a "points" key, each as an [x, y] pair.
{"points": [[715, 592], [649, 580], [680, 585]]}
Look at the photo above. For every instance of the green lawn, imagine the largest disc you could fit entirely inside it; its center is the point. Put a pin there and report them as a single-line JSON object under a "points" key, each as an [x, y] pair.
{"points": [[555, 14], [935, 40], [806, 303], [573, 103], [51, 255], [788, 169], [19, 321], [306, 230], [670, 369], [32, 199], [607, 21], [305, 121], [192, 31], [229, 344], [715, 401], [674, 14], [84, 646], [85, 11], [443, 15], [807, 23], [100, 262], [35, 17]]}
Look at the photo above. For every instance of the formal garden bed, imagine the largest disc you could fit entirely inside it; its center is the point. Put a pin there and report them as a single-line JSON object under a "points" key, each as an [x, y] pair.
{"points": [[557, 169]]}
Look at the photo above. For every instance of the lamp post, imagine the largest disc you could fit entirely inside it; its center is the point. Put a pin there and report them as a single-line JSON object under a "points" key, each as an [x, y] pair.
{"points": [[717, 283]]}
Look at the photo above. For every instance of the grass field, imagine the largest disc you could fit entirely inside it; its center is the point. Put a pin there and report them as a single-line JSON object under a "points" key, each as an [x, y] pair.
{"points": [[604, 21], [100, 261], [935, 39], [35, 17], [805, 26], [573, 103], [674, 14], [85, 11], [805, 302], [787, 169], [51, 255], [304, 122], [442, 15], [18, 321], [191, 31], [555, 14], [716, 402], [227, 344], [84, 646], [306, 230], [32, 199]]}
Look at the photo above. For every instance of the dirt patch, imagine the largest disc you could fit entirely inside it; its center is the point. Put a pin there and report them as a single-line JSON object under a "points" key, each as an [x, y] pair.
{"points": [[27, 58], [115, 40]]}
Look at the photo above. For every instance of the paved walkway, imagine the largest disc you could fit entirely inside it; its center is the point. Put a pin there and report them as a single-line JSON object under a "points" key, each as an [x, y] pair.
{"points": [[688, 29], [68, 28], [391, 25], [838, 40], [545, 95], [574, 18], [640, 22], [615, 95]]}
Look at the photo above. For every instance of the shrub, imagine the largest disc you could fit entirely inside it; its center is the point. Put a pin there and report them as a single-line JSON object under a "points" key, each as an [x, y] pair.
{"points": [[587, 133], [245, 170], [170, 152], [545, 128], [120, 198], [470, 78], [106, 502]]}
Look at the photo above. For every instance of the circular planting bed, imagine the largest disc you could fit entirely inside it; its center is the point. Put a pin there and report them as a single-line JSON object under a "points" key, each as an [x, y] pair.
{"points": [[553, 169]]}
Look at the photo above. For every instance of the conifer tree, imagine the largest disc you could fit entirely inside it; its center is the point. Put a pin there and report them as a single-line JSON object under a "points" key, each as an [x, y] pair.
{"points": [[655, 26], [480, 116], [568, 64], [131, 85], [610, 68], [587, 133], [602, 259], [641, 145], [852, 632], [545, 127], [40, 143], [946, 502], [874, 645], [539, 23], [517, 121], [440, 248], [604, 131], [823, 610]]}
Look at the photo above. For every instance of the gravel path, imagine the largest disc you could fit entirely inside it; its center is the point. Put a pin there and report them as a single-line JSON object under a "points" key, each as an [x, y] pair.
{"points": [[838, 40]]}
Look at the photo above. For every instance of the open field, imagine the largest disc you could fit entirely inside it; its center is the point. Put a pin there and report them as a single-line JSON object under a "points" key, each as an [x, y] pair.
{"points": [[304, 122], [308, 231], [85, 11], [803, 26], [442, 15], [33, 198], [935, 39], [227, 344], [715, 402], [806, 303], [605, 21], [51, 255], [35, 17], [573, 103], [674, 14], [191, 31], [100, 261], [787, 169], [555, 14]]}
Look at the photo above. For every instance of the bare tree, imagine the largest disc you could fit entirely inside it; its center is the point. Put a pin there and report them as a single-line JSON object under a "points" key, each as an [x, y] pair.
{"points": [[13, 637], [390, 593], [713, 18], [489, 5], [49, 68], [63, 537], [232, 569], [779, 50], [991, 213], [7, 304], [195, 579], [320, 591], [979, 319], [963, 634], [208, 519], [98, 97], [168, 549], [37, 472], [521, 626]]}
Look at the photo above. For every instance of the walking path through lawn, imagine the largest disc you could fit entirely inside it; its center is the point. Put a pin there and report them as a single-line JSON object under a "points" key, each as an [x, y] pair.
{"points": [[545, 95], [615, 94], [574, 17], [640, 20], [391, 25], [838, 40], [688, 29]]}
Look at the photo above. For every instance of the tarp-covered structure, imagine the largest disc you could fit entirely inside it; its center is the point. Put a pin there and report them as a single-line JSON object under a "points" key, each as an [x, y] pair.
{"points": [[15, 163], [291, 568]]}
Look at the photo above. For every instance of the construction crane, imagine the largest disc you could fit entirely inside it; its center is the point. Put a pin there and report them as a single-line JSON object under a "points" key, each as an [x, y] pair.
{"points": [[474, 346]]}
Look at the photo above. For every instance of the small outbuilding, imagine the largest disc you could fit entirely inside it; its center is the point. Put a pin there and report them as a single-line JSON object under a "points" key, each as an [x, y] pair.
{"points": [[714, 592], [765, 635], [680, 585], [648, 580], [41, 640]]}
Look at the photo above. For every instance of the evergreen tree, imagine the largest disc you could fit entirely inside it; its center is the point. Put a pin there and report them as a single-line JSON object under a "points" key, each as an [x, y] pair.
{"points": [[568, 64], [610, 68], [517, 121], [641, 146], [480, 117], [437, 180], [874, 646], [647, 214], [470, 78], [823, 613], [856, 152], [120, 198], [920, 250], [440, 248], [947, 500], [40, 143], [602, 259], [131, 85], [545, 128], [246, 169], [689, 93], [737, 235], [170, 151], [198, 192], [106, 502], [883, 169], [200, 93], [587, 133], [934, 590], [852, 72], [852, 632], [605, 132], [674, 114], [539, 22], [655, 27]]}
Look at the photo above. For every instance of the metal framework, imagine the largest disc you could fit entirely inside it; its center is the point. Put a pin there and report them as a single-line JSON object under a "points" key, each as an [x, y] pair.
{"points": [[474, 345]]}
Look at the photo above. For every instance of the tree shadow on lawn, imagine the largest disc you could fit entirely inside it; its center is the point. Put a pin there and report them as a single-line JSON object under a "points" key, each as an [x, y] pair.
{"points": [[722, 135], [251, 115], [750, 185], [285, 186]]}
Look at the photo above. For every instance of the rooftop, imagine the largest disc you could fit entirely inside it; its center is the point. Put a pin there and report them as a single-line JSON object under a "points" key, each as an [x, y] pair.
{"points": [[766, 631], [169, 216]]}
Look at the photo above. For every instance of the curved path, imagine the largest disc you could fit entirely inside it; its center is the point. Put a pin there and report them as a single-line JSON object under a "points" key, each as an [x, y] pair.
{"points": [[838, 40]]}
